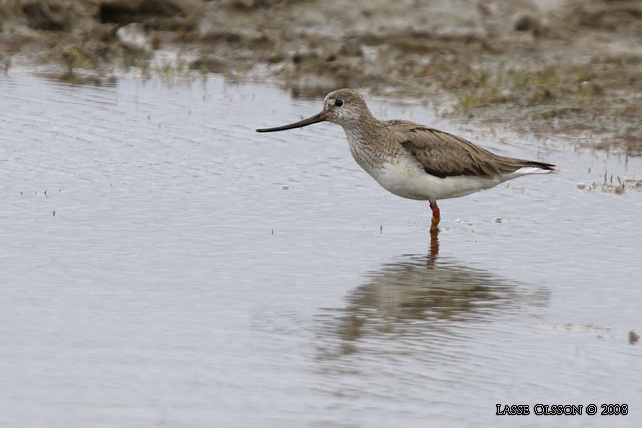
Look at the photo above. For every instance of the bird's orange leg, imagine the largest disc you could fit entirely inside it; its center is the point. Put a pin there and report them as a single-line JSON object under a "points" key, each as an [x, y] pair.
{"points": [[435, 216]]}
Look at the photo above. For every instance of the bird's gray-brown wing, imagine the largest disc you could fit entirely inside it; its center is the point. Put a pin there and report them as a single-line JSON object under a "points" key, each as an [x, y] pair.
{"points": [[445, 155]]}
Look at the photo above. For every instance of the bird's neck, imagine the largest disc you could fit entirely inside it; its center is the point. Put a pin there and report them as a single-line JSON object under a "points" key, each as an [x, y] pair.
{"points": [[361, 132]]}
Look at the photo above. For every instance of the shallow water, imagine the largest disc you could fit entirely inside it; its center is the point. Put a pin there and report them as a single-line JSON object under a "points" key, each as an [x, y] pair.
{"points": [[165, 265]]}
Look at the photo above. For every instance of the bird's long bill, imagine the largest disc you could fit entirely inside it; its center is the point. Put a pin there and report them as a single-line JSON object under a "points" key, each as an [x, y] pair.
{"points": [[305, 122]]}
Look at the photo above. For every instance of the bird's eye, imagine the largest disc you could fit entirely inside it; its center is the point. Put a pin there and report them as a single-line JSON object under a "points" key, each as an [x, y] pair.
{"points": [[338, 103]]}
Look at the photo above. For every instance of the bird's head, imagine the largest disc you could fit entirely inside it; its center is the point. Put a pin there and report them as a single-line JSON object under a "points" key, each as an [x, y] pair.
{"points": [[343, 107]]}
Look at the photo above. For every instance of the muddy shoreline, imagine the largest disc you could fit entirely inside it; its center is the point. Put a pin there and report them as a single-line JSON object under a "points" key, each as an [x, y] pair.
{"points": [[566, 70]]}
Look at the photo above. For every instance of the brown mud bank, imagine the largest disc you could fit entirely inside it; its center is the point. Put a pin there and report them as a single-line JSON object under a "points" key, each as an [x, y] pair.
{"points": [[566, 69]]}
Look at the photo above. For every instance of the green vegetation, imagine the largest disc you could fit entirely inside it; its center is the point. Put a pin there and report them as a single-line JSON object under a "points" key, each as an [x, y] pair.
{"points": [[525, 87], [75, 59]]}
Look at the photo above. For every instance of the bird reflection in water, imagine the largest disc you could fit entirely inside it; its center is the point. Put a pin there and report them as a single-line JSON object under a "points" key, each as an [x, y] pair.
{"points": [[434, 245], [433, 299]]}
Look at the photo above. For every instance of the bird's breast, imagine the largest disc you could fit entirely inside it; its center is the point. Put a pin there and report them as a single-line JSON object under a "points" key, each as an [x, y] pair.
{"points": [[392, 167], [403, 179]]}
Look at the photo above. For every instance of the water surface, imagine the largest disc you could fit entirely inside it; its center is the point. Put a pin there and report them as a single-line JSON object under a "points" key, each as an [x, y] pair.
{"points": [[165, 265]]}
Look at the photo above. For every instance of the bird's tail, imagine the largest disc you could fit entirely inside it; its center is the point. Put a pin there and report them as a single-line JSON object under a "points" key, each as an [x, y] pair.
{"points": [[516, 167], [535, 167], [539, 167]]}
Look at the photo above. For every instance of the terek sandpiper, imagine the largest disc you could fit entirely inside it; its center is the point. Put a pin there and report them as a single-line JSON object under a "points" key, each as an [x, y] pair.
{"points": [[412, 160]]}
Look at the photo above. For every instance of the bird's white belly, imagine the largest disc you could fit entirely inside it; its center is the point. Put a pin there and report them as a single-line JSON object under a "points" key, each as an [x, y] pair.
{"points": [[414, 183]]}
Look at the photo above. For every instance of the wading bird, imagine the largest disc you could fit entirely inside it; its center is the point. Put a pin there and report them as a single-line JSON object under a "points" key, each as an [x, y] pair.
{"points": [[412, 160]]}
